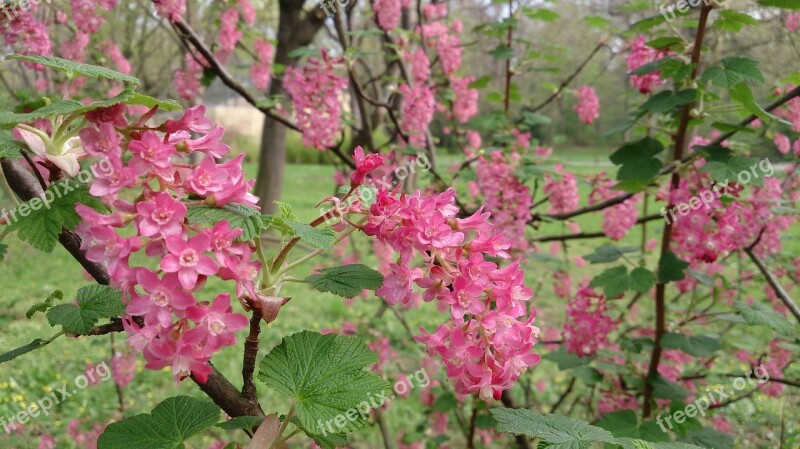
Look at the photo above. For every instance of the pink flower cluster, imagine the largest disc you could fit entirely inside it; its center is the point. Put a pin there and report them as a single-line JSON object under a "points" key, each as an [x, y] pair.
{"points": [[417, 112], [112, 51], [587, 325], [465, 104], [229, 33], [588, 107], [187, 81], [27, 35], [617, 219], [562, 193], [178, 330], [445, 39], [389, 12], [484, 344], [640, 55], [261, 70], [315, 92], [85, 16], [793, 21], [171, 9], [505, 197]]}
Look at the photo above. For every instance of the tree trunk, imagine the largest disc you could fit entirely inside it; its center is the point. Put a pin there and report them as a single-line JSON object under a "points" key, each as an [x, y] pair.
{"points": [[295, 29]]}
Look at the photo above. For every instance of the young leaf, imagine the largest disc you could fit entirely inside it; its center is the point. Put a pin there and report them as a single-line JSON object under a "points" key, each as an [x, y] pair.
{"points": [[322, 238], [637, 159], [616, 281], [73, 69], [239, 216], [734, 21], [57, 295], [560, 432], [14, 353], [324, 375], [10, 119], [94, 302], [169, 424], [10, 147], [759, 314], [346, 281], [149, 102], [667, 100], [609, 253]]}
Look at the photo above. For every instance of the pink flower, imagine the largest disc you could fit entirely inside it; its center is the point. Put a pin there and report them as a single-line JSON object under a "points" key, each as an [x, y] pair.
{"points": [[207, 177], [187, 259], [229, 34], [782, 143], [588, 107], [216, 323], [193, 119], [793, 21], [465, 105], [163, 297], [185, 355], [102, 141], [364, 165], [640, 55], [161, 216], [123, 368], [261, 71], [588, 325], [150, 151], [417, 112], [171, 9]]}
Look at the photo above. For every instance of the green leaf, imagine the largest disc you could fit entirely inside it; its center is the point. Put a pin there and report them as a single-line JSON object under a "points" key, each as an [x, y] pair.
{"points": [[324, 375], [240, 422], [149, 102], [169, 424], [744, 96], [566, 360], [710, 438], [666, 43], [73, 69], [621, 423], [14, 353], [40, 223], [481, 82], [322, 238], [670, 268], [239, 216], [57, 295], [637, 160], [734, 21], [10, 147], [724, 166], [785, 4], [733, 71], [760, 314], [664, 389], [616, 281], [667, 100], [502, 52], [545, 15], [10, 119], [560, 432], [629, 443], [94, 302], [698, 345], [346, 281], [598, 22]]}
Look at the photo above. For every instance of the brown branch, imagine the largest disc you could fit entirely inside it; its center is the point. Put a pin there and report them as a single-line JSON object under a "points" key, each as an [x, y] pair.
{"points": [[569, 79], [681, 139], [217, 387], [588, 235], [249, 359], [774, 283]]}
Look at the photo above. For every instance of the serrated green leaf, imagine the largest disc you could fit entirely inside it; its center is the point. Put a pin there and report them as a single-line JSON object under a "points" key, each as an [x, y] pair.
{"points": [[502, 52], [239, 216], [609, 253], [733, 21], [637, 159], [760, 314], [94, 302], [10, 119], [630, 443], [10, 147], [616, 281], [346, 281], [57, 295], [41, 226], [724, 166], [149, 102], [697, 345], [733, 71], [670, 268], [667, 100], [325, 377], [560, 432], [710, 439], [169, 424], [322, 238], [622, 423], [73, 69]]}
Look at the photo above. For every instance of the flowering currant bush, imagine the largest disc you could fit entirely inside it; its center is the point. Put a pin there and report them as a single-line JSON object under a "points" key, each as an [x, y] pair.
{"points": [[643, 300]]}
